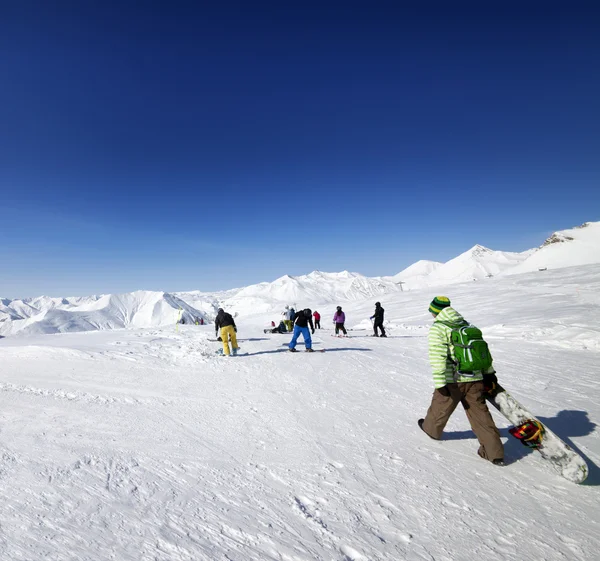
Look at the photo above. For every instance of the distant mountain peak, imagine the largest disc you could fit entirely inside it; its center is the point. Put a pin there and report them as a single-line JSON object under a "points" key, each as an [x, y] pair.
{"points": [[478, 250]]}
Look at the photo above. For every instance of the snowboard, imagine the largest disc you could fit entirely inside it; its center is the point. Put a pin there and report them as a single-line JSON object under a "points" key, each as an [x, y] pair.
{"points": [[534, 434]]}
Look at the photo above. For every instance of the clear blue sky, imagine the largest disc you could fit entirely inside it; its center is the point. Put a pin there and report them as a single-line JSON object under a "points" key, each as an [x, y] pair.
{"points": [[207, 145]]}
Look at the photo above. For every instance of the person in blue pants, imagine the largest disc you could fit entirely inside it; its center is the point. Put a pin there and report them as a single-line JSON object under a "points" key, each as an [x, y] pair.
{"points": [[302, 320]]}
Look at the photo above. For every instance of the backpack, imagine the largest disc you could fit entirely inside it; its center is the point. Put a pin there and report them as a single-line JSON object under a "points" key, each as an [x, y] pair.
{"points": [[470, 350]]}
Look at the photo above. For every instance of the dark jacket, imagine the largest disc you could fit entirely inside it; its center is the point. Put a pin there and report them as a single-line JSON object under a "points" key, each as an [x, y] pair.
{"points": [[378, 315], [223, 319], [303, 321]]}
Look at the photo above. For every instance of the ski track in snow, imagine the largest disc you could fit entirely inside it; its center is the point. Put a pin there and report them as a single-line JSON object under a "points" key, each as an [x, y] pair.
{"points": [[145, 445]]}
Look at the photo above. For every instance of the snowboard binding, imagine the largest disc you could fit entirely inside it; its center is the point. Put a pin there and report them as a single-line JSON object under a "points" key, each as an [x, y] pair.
{"points": [[530, 433]]}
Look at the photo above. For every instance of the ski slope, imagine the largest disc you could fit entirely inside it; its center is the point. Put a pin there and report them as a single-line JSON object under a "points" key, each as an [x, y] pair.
{"points": [[142, 444]]}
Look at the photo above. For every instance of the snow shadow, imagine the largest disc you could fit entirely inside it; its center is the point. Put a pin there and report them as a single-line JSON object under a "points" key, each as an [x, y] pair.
{"points": [[513, 449], [253, 339], [567, 423], [267, 352], [301, 350]]}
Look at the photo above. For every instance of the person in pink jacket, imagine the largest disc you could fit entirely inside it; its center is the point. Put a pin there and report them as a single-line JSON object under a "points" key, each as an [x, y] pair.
{"points": [[339, 318]]}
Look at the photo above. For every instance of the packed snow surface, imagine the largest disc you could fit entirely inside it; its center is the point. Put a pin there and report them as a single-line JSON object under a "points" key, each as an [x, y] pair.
{"points": [[143, 444]]}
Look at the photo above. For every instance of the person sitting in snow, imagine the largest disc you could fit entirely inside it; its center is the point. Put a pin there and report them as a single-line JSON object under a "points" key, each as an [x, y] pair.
{"points": [[302, 320], [226, 324], [339, 318], [452, 387], [281, 328]]}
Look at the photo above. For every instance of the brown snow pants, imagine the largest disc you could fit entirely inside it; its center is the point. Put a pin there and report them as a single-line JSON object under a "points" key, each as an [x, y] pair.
{"points": [[471, 395]]}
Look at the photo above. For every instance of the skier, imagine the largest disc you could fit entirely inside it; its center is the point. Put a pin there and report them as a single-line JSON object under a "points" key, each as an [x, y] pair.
{"points": [[453, 387], [378, 316], [317, 317], [339, 318], [292, 315], [226, 323], [302, 320]]}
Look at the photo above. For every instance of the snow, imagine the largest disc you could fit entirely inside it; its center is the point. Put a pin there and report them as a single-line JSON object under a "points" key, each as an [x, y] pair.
{"points": [[140, 443], [419, 269], [567, 248], [110, 311], [475, 264], [577, 246]]}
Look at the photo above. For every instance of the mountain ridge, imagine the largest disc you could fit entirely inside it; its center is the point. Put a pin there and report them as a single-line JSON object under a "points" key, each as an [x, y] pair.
{"points": [[43, 314]]}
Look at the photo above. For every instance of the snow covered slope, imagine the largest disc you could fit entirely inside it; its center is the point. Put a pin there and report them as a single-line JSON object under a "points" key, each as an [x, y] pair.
{"points": [[142, 444], [316, 290], [111, 311], [477, 263], [312, 290], [566, 248], [320, 287], [417, 271]]}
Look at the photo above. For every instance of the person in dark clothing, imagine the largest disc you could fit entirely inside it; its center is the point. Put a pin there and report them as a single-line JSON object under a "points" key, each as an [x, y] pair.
{"points": [[302, 320], [226, 324], [377, 318], [281, 328]]}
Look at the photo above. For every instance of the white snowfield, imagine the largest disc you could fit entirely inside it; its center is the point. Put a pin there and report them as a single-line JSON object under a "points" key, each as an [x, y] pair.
{"points": [[142, 444]]}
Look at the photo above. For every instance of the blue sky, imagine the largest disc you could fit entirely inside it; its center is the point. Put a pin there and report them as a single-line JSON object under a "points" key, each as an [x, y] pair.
{"points": [[178, 146]]}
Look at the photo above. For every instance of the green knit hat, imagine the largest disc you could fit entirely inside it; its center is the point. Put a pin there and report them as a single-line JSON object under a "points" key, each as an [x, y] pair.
{"points": [[438, 304]]}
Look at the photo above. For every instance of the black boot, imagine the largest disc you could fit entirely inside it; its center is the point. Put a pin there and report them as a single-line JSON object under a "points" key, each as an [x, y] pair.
{"points": [[420, 422]]}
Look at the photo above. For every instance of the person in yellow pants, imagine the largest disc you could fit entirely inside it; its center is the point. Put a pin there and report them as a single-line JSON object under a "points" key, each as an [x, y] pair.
{"points": [[226, 324]]}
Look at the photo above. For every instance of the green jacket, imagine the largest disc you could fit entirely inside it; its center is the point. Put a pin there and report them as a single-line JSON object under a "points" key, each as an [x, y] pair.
{"points": [[441, 353]]}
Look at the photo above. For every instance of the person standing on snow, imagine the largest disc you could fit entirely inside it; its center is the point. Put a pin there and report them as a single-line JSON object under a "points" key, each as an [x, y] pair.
{"points": [[317, 317], [453, 387], [226, 324], [339, 318], [302, 320], [286, 318], [378, 320]]}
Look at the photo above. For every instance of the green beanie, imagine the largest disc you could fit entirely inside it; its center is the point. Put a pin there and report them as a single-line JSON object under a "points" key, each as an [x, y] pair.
{"points": [[438, 304]]}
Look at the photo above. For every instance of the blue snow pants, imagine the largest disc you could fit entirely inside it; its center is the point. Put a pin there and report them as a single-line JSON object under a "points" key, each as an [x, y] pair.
{"points": [[305, 333]]}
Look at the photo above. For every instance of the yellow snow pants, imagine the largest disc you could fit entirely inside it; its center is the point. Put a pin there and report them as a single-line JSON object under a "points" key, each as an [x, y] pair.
{"points": [[226, 333]]}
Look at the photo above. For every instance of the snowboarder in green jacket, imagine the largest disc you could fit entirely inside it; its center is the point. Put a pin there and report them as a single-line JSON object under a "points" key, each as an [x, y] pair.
{"points": [[453, 387]]}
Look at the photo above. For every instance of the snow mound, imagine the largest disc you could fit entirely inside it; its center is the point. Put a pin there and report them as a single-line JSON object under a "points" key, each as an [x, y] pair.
{"points": [[565, 248], [111, 311]]}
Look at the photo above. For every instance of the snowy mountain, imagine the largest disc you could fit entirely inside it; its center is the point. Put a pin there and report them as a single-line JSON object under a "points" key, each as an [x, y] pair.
{"points": [[566, 248], [477, 263], [416, 271], [577, 246], [111, 311]]}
